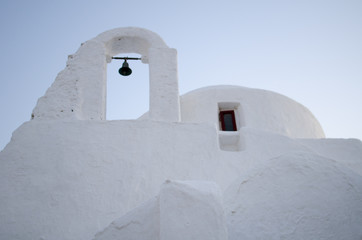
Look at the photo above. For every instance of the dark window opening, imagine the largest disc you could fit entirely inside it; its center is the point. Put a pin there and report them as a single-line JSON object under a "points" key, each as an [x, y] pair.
{"points": [[227, 120]]}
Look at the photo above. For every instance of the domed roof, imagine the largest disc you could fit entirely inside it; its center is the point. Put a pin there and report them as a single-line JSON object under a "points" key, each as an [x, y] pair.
{"points": [[254, 108]]}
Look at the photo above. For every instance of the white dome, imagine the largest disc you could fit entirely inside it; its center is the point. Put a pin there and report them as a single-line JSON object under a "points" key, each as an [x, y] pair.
{"points": [[254, 108]]}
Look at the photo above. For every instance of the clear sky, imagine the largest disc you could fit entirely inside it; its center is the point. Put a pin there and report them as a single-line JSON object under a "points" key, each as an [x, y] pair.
{"points": [[308, 50]]}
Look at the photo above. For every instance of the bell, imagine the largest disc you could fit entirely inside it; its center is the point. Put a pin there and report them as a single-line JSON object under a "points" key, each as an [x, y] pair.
{"points": [[125, 70]]}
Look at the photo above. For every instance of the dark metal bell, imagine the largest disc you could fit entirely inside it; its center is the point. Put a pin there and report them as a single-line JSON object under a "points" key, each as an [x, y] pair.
{"points": [[125, 70]]}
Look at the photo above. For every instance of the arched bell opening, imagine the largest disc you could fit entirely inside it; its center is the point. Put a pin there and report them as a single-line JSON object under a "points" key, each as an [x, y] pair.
{"points": [[127, 96]]}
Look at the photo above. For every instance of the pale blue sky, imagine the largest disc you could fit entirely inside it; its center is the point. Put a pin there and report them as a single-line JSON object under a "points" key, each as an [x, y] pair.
{"points": [[308, 50]]}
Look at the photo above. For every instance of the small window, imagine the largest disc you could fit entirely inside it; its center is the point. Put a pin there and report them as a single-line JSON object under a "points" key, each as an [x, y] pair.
{"points": [[227, 120]]}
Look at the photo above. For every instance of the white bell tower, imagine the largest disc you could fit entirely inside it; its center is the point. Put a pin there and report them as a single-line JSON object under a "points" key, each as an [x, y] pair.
{"points": [[79, 91]]}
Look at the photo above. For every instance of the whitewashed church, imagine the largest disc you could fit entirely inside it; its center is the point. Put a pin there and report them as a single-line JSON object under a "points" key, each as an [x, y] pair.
{"points": [[218, 163]]}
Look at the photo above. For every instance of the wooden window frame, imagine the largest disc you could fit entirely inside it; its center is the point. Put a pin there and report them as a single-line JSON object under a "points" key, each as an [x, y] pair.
{"points": [[221, 117]]}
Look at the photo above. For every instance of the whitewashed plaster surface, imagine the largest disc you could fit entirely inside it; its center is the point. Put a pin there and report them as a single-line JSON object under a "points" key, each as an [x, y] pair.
{"points": [[73, 178], [295, 196], [70, 174]]}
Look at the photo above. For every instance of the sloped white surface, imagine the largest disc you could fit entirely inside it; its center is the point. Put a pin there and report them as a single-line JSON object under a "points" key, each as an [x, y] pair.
{"points": [[296, 196]]}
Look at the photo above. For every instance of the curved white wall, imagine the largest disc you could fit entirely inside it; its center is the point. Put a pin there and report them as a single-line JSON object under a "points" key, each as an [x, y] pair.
{"points": [[259, 109]]}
